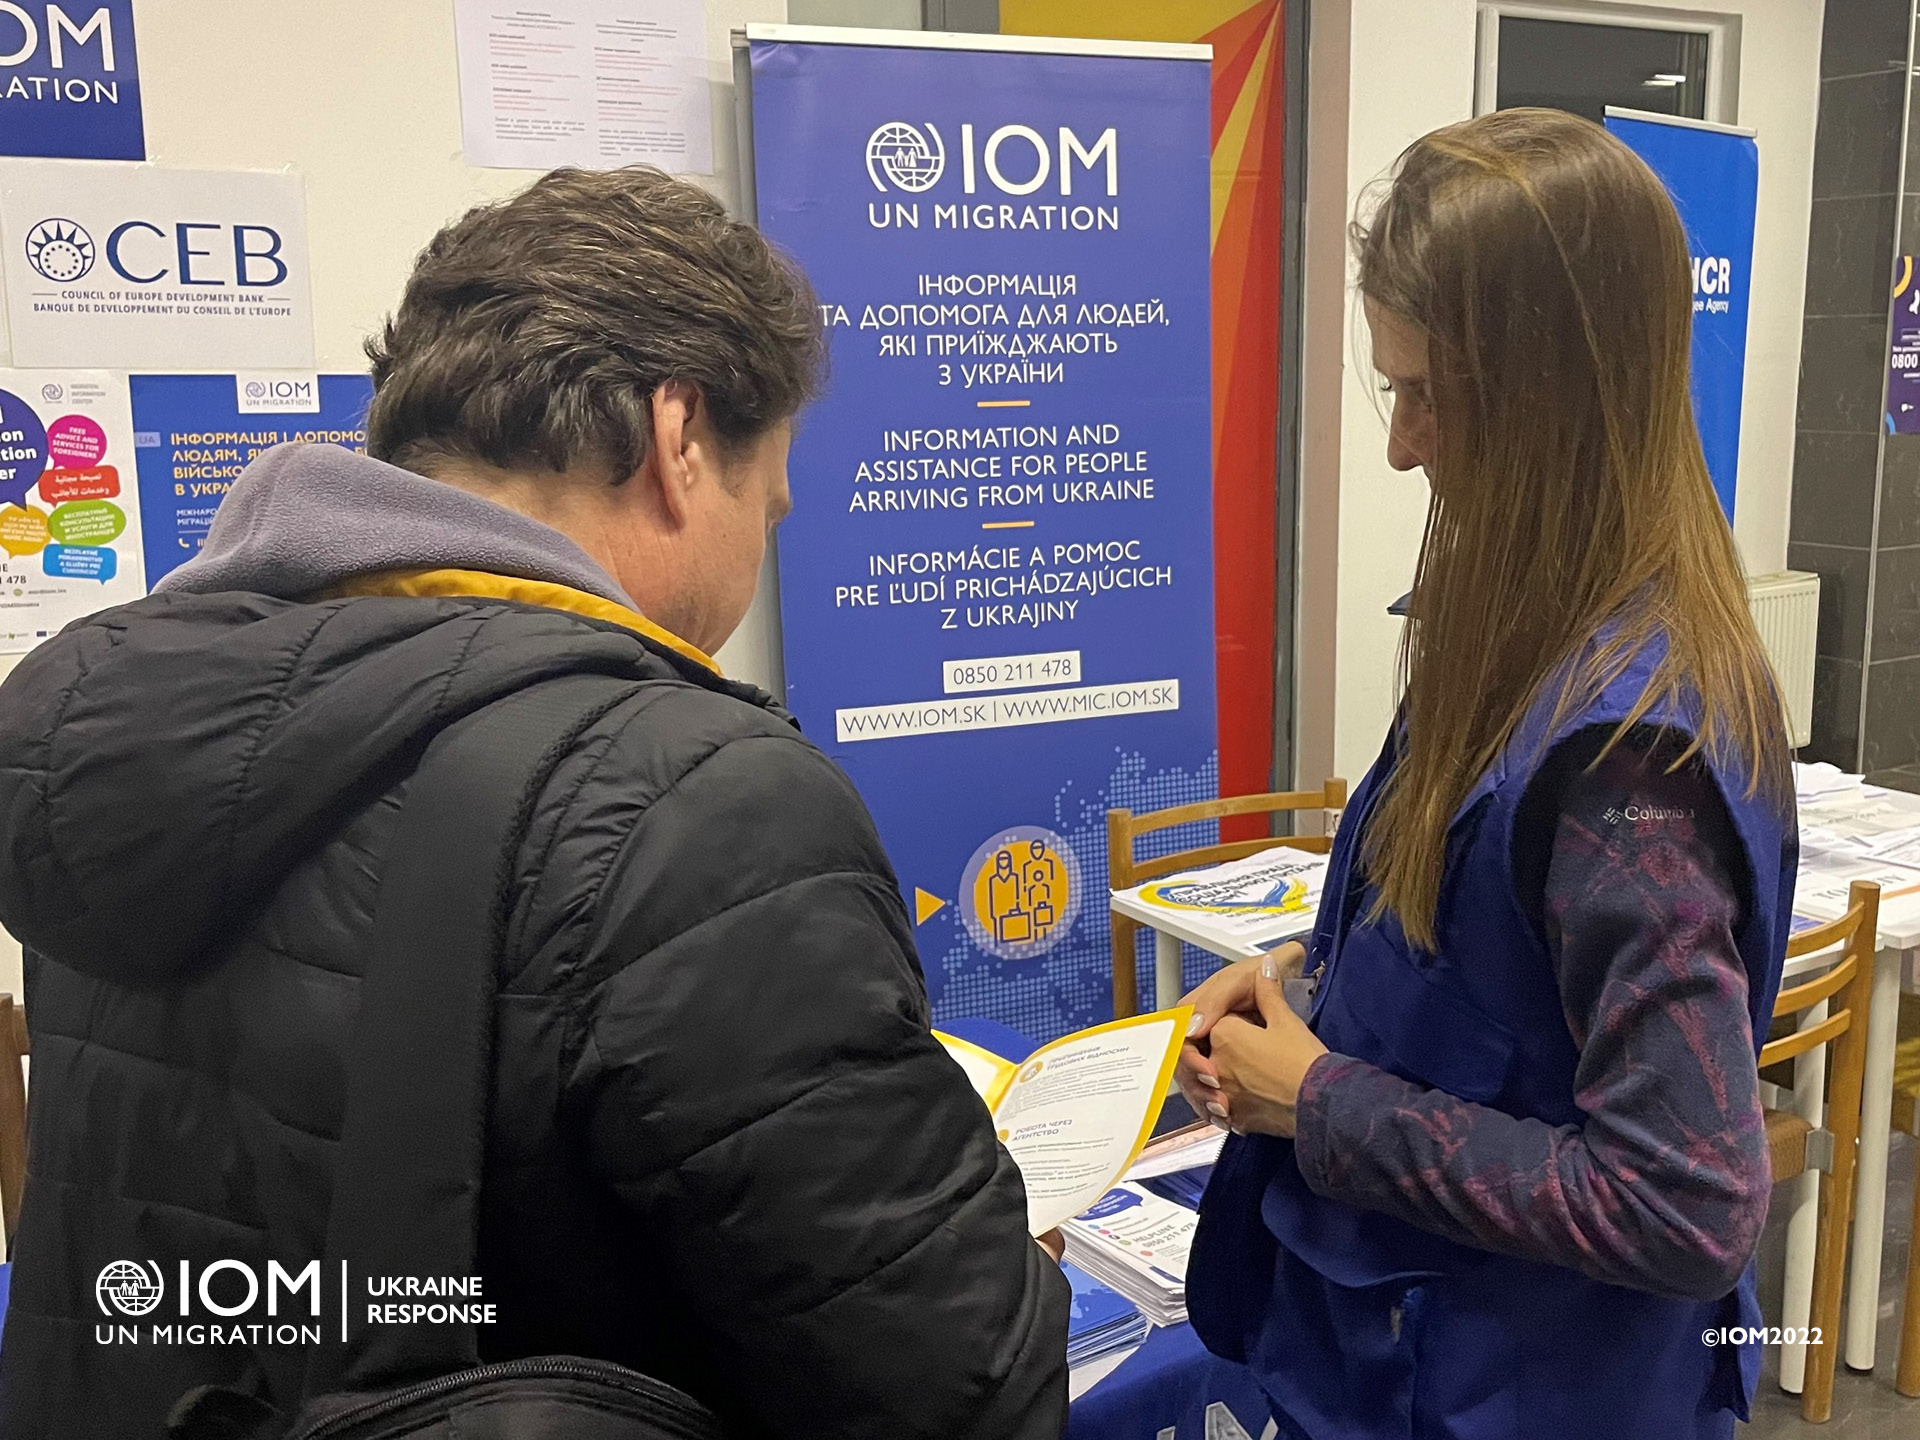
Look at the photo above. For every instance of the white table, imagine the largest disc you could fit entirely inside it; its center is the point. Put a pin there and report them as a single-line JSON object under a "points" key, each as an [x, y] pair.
{"points": [[1170, 932], [1898, 943]]}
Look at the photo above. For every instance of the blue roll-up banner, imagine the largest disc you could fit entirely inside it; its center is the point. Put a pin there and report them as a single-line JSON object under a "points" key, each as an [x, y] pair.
{"points": [[70, 81], [996, 585], [1713, 174]]}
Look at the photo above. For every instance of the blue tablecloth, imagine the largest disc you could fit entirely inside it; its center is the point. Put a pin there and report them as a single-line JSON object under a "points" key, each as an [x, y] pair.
{"points": [[1171, 1387]]}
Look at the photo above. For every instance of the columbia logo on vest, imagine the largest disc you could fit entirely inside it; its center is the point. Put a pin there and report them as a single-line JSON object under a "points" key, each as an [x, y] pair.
{"points": [[1643, 814]]}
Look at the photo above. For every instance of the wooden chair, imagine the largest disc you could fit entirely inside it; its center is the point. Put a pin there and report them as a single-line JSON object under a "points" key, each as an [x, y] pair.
{"points": [[1906, 1116], [1797, 1146], [1124, 872]]}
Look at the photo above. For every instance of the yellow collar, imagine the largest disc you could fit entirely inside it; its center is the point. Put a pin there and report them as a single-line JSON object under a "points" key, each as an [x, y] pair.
{"points": [[482, 583]]}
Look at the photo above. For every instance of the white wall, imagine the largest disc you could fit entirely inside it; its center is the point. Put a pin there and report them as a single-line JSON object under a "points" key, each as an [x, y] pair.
{"points": [[1413, 70], [362, 97]]}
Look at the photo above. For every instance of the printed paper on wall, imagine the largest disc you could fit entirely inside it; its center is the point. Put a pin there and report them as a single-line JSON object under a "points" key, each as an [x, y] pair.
{"points": [[69, 508], [138, 268]]}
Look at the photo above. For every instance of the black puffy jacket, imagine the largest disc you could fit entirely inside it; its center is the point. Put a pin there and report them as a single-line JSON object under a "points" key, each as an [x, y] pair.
{"points": [[723, 1149]]}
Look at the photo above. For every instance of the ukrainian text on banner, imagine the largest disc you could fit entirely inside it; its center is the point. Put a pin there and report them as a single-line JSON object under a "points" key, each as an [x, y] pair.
{"points": [[1713, 174], [996, 586], [194, 434]]}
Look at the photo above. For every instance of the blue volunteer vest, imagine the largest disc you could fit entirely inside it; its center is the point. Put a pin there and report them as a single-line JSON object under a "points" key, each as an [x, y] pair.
{"points": [[1359, 1325]]}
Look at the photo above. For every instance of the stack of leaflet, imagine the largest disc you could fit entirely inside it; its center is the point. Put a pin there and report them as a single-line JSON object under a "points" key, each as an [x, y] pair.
{"points": [[1841, 814], [1822, 781], [1851, 831], [1137, 1243], [1178, 1164], [1103, 1321], [1239, 908]]}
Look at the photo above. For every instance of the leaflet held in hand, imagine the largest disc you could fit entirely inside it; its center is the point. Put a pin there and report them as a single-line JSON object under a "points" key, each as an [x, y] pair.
{"points": [[1076, 1112]]}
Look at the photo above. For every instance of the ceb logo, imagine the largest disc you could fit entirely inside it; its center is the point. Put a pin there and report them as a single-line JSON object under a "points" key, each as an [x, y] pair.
{"points": [[189, 252]]}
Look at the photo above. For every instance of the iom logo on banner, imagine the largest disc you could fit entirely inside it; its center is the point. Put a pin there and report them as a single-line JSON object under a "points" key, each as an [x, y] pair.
{"points": [[69, 80], [912, 161], [270, 392], [1005, 160]]}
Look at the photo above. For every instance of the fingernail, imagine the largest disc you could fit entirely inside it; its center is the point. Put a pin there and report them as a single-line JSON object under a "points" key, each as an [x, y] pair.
{"points": [[1193, 1025], [1219, 1111], [1220, 1124], [1270, 968], [1206, 1080]]}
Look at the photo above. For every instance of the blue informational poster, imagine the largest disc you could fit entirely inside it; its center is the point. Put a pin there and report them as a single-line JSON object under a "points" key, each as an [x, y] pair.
{"points": [[70, 81], [1713, 174], [1903, 359], [194, 434], [996, 585]]}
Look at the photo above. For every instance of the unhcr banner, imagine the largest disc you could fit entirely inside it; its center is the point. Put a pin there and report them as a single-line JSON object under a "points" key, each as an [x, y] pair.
{"points": [[1713, 174], [997, 587]]}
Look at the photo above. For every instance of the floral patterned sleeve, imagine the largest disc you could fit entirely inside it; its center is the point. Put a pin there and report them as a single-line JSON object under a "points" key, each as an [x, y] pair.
{"points": [[1664, 1187]]}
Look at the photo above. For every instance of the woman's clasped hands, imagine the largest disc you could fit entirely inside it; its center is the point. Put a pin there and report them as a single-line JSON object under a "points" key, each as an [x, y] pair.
{"points": [[1247, 1053]]}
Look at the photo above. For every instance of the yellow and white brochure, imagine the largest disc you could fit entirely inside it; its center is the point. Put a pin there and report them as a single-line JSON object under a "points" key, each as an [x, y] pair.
{"points": [[1078, 1111]]}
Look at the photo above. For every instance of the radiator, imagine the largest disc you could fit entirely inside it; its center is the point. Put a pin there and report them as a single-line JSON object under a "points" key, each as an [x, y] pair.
{"points": [[1786, 611]]}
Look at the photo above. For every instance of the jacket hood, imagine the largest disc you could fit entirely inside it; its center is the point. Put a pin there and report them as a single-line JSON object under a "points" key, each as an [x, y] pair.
{"points": [[163, 765], [303, 518]]}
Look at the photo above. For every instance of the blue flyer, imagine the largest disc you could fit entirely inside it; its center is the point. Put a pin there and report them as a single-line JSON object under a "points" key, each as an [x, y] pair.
{"points": [[194, 434]]}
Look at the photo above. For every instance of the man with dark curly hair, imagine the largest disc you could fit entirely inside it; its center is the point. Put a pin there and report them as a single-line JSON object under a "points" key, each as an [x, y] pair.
{"points": [[723, 1147]]}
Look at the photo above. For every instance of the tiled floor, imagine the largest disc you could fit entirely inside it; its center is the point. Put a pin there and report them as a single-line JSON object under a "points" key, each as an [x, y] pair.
{"points": [[1865, 1407]]}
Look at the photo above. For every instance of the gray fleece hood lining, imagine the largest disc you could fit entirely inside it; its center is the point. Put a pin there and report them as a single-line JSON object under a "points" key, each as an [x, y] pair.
{"points": [[304, 518]]}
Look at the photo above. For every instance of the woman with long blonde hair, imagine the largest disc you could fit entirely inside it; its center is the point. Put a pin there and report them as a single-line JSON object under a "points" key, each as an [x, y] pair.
{"points": [[1511, 1168]]}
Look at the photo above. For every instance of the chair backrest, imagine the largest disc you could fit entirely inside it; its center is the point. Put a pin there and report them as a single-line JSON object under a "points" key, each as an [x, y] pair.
{"points": [[14, 1049], [1124, 871], [1848, 986], [1849, 981]]}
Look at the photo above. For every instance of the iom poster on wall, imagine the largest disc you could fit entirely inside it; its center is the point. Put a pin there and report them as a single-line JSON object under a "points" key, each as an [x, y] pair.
{"points": [[1713, 174], [996, 585], [194, 434], [70, 80]]}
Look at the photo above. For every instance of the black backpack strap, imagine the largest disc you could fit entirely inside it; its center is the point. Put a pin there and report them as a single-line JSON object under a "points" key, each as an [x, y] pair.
{"points": [[407, 1182]]}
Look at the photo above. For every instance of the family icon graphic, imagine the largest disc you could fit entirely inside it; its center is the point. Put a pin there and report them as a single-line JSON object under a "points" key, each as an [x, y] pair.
{"points": [[1021, 892]]}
